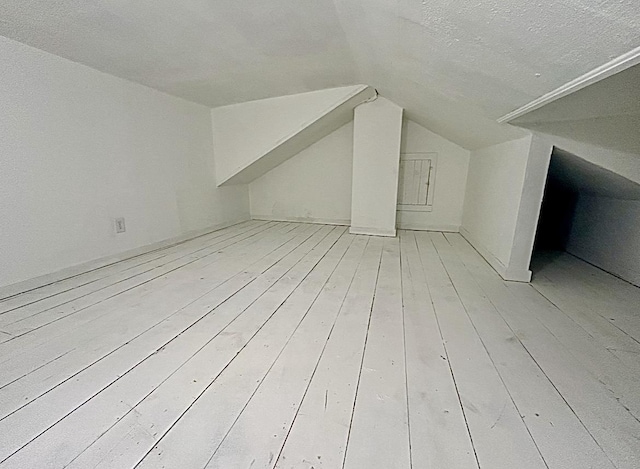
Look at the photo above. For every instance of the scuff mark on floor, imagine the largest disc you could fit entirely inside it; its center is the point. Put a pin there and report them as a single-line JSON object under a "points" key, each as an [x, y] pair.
{"points": [[499, 416]]}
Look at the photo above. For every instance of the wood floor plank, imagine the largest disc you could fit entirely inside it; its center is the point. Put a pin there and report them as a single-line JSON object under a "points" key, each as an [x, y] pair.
{"points": [[259, 432], [603, 330], [615, 362], [284, 345], [318, 436], [179, 286], [23, 320], [122, 445], [38, 328], [119, 400], [83, 347], [85, 295], [563, 440], [225, 400], [53, 293], [612, 426], [620, 373], [21, 392], [63, 399], [608, 318], [379, 428], [439, 433], [499, 436], [624, 294], [104, 268]]}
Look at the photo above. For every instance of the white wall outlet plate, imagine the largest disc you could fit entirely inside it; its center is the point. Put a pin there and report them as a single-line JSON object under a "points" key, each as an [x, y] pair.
{"points": [[120, 226]]}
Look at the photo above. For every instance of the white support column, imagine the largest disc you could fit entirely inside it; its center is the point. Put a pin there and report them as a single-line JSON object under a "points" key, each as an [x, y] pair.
{"points": [[377, 131]]}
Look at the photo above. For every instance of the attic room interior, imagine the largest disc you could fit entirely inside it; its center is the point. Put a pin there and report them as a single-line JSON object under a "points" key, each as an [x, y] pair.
{"points": [[336, 234]]}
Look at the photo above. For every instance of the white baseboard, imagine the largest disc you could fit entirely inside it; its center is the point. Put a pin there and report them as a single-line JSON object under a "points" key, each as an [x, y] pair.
{"points": [[355, 230], [68, 272], [329, 221], [372, 231], [319, 221], [518, 275], [515, 275], [438, 228]]}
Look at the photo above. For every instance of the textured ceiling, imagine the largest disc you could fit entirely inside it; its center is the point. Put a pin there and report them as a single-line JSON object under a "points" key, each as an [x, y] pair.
{"points": [[455, 66]]}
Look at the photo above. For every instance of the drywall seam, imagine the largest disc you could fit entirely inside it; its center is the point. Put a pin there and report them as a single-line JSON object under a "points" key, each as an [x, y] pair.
{"points": [[346, 101], [79, 269], [319, 221], [612, 67]]}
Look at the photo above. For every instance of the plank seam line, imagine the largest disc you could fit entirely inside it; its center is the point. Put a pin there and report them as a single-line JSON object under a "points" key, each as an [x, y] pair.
{"points": [[484, 346], [152, 327], [353, 276], [404, 344], [540, 367], [156, 251], [187, 360], [119, 261], [120, 376], [355, 398], [59, 318], [238, 353], [446, 352], [279, 353]]}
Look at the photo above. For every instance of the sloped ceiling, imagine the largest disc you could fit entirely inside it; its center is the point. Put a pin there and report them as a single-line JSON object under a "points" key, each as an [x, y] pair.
{"points": [[606, 114], [579, 175], [454, 65]]}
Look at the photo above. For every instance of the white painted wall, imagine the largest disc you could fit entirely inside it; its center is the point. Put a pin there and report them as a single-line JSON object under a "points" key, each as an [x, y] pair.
{"points": [[377, 132], [606, 233], [492, 200], [450, 180], [534, 184], [79, 148], [242, 133], [313, 186]]}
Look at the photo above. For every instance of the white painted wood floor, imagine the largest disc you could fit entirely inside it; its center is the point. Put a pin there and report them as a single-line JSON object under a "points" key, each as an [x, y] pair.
{"points": [[300, 346]]}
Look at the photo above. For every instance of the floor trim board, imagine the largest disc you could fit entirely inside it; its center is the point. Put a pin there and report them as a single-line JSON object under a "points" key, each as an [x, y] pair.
{"points": [[24, 286], [136, 281], [367, 231], [72, 286], [429, 227], [320, 221], [505, 272]]}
